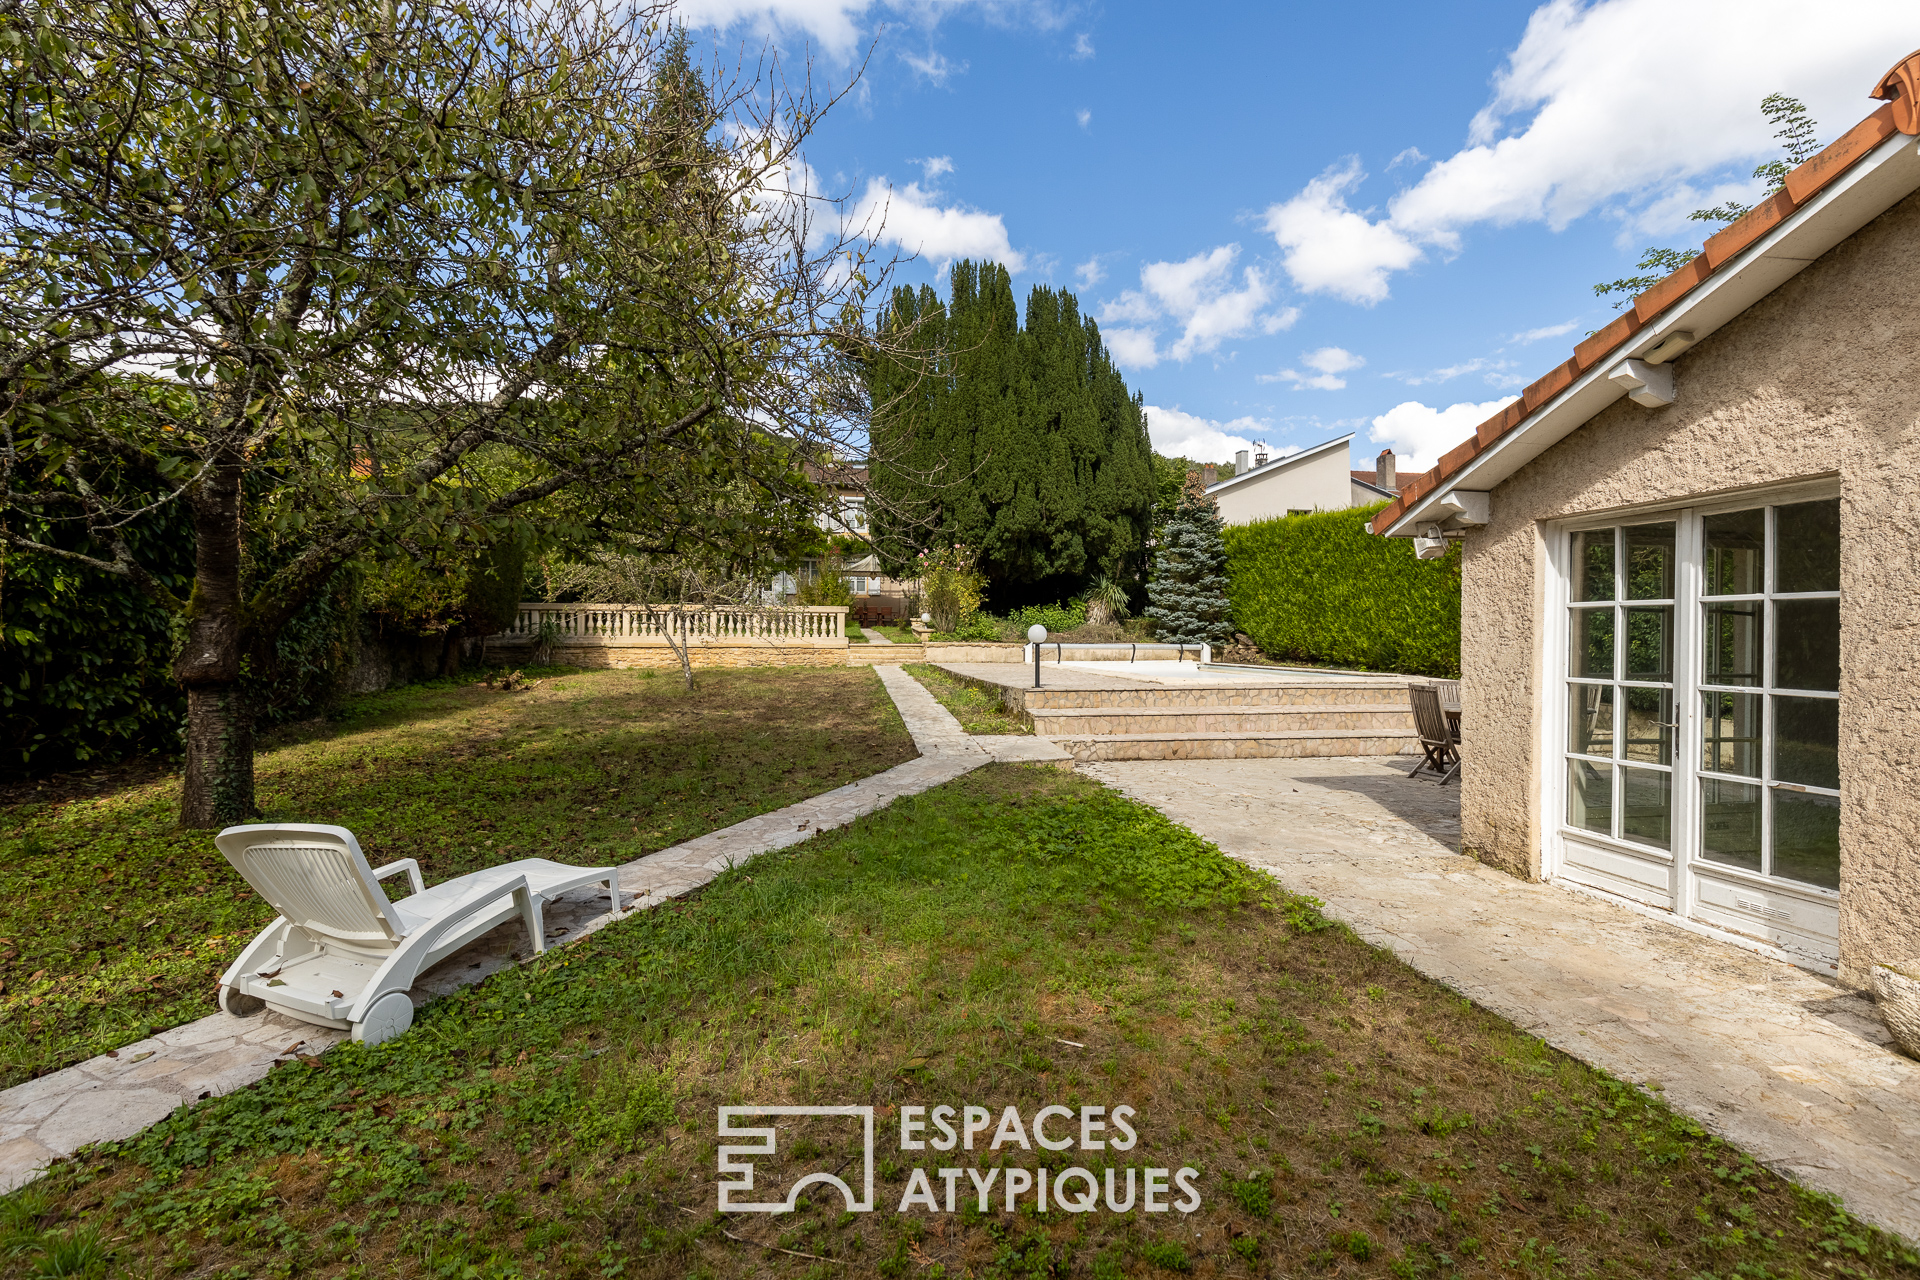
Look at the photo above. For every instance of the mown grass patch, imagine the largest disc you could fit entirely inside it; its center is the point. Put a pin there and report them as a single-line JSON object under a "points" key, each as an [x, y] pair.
{"points": [[1019, 937], [115, 924], [977, 710]]}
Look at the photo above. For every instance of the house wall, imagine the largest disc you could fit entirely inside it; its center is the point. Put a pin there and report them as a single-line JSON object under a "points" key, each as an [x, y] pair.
{"points": [[1820, 377], [1321, 483]]}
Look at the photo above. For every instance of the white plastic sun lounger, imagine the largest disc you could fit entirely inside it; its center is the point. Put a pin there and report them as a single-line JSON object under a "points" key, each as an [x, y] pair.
{"points": [[341, 955]]}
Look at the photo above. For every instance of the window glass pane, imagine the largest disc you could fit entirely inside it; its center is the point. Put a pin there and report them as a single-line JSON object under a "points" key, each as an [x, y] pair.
{"points": [[1809, 546], [1646, 807], [1650, 643], [1806, 838], [1806, 741], [1590, 796], [1730, 823], [1731, 733], [1807, 644], [1592, 653], [1590, 719], [1649, 725], [1593, 565], [1735, 542], [1650, 561], [1732, 637]]}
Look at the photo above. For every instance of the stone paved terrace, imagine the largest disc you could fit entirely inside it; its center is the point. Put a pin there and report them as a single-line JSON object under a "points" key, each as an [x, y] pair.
{"points": [[116, 1095], [1791, 1066]]}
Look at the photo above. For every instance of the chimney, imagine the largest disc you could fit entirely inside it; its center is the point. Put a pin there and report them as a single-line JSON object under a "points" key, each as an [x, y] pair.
{"points": [[1209, 474], [1260, 458], [1383, 473], [1240, 462]]}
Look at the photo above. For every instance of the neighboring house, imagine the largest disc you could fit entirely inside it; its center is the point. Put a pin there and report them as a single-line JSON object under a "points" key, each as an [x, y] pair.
{"points": [[1316, 479], [875, 595], [1691, 579]]}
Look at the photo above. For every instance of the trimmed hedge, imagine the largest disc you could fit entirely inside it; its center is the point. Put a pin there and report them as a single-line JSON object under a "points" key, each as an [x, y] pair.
{"points": [[1322, 589]]}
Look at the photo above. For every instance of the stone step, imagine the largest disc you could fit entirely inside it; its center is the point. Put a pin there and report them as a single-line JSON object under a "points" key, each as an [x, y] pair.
{"points": [[1343, 693], [1373, 718], [1086, 749]]}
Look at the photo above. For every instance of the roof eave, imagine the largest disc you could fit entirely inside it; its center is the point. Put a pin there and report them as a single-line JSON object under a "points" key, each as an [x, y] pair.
{"points": [[1868, 188]]}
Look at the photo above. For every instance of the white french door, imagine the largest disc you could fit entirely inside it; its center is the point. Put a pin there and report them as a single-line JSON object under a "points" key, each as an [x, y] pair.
{"points": [[1697, 762]]}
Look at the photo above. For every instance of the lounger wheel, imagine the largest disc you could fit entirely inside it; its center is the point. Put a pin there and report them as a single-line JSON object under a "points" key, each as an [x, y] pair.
{"points": [[391, 1015]]}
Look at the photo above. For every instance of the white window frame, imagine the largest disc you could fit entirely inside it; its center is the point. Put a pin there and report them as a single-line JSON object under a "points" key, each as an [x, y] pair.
{"points": [[1550, 703]]}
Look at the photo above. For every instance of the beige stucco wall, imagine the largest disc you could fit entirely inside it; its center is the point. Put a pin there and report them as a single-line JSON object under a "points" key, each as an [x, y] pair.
{"points": [[1821, 377], [1323, 482]]}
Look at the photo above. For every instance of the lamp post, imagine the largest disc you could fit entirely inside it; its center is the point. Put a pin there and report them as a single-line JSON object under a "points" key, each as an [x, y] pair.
{"points": [[1036, 636]]}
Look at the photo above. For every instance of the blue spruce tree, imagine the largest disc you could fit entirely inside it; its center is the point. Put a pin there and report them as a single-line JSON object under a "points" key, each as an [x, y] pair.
{"points": [[1189, 588]]}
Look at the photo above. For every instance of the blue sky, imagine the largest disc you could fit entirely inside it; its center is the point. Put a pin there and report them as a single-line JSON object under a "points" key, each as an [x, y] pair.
{"points": [[1293, 221]]}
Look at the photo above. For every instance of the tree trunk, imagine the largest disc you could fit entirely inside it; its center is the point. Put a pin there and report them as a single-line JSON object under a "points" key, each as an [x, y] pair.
{"points": [[218, 787]]}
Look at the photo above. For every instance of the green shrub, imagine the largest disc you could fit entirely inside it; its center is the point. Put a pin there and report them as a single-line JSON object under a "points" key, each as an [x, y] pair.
{"points": [[1322, 589]]}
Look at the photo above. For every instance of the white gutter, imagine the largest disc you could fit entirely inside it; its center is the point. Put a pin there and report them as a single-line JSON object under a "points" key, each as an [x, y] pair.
{"points": [[1865, 191]]}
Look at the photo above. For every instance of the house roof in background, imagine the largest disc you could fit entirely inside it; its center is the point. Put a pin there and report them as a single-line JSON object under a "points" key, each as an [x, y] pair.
{"points": [[1281, 464], [1372, 479], [1865, 172]]}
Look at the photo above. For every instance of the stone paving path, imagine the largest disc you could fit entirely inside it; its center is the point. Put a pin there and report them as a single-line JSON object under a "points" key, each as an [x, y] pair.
{"points": [[116, 1095], [1794, 1068]]}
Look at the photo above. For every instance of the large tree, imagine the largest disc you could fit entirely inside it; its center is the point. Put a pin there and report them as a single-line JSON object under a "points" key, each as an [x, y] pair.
{"points": [[1022, 444], [352, 278]]}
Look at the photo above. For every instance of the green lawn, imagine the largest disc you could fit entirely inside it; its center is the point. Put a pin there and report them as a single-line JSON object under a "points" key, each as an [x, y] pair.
{"points": [[977, 710], [1020, 937], [115, 924]]}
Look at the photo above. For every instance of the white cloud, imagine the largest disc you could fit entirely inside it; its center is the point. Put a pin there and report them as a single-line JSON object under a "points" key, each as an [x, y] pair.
{"points": [[1201, 296], [1545, 331], [933, 166], [913, 220], [1090, 272], [1583, 120], [842, 26], [1412, 155], [1185, 435], [1419, 434], [1084, 116], [1328, 363], [1082, 47], [1497, 373], [1332, 249], [934, 66], [1132, 348]]}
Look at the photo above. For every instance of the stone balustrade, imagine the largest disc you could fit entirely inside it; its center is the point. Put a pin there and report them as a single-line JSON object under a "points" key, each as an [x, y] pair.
{"points": [[621, 625]]}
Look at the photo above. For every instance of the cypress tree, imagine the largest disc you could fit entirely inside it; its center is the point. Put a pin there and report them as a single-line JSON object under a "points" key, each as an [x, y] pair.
{"points": [[1189, 589], [1023, 444]]}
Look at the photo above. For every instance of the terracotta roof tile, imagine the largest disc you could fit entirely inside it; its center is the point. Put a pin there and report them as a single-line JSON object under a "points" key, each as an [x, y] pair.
{"points": [[1588, 353], [1899, 89], [1458, 456], [1500, 423], [1550, 385], [1806, 181], [1672, 289], [1757, 221]]}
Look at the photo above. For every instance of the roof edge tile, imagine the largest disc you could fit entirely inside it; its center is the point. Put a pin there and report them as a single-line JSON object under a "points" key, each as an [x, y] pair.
{"points": [[1900, 89], [1835, 159], [1756, 222], [1672, 289], [1588, 353]]}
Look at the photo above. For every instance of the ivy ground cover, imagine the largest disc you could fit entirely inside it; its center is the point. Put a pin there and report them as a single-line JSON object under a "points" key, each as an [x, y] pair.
{"points": [[1017, 938], [114, 924]]}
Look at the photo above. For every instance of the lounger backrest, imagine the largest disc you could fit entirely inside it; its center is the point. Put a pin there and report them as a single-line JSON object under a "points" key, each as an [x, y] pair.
{"points": [[315, 876]]}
